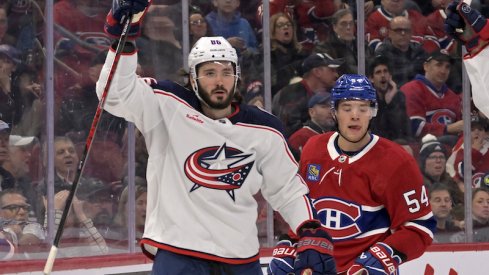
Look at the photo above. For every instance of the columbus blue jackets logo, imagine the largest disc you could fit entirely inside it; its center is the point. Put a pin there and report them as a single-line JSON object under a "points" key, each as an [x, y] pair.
{"points": [[313, 171], [218, 167]]}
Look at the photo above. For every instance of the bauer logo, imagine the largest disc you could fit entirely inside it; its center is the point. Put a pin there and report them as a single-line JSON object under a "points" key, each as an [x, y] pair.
{"points": [[313, 171]]}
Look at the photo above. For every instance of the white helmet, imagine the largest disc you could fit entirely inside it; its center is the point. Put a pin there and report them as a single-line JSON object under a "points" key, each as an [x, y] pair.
{"points": [[211, 49]]}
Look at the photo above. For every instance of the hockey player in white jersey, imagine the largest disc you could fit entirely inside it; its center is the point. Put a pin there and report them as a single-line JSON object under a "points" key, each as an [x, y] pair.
{"points": [[470, 27], [208, 156]]}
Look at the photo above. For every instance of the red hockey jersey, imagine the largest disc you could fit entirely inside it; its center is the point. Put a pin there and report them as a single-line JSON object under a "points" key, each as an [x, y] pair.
{"points": [[375, 195], [428, 111], [377, 26]]}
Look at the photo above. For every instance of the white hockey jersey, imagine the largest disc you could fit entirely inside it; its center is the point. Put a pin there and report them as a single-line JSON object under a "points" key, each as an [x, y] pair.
{"points": [[202, 173], [478, 72]]}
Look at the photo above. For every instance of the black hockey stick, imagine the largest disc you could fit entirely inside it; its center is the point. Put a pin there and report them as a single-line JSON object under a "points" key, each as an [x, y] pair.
{"points": [[48, 267]]}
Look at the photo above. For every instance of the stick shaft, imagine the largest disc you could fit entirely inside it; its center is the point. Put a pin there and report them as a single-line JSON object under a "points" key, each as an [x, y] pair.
{"points": [[98, 113]]}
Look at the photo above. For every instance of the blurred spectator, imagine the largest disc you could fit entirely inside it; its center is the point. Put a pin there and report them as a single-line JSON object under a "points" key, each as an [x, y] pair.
{"points": [[226, 21], [106, 161], [441, 205], [368, 9], [66, 161], [290, 103], [377, 24], [286, 56], [286, 53], [160, 51], [432, 106], [480, 217], [140, 214], [80, 236], [342, 42], [26, 24], [9, 59], [311, 18], [391, 120], [321, 121], [79, 37], [29, 108], [5, 38], [7, 180], [479, 153], [14, 213], [432, 160], [20, 152], [434, 28], [409, 56], [100, 205], [198, 26]]}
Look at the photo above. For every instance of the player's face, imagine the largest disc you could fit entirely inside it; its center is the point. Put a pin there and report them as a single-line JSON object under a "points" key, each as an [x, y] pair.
{"points": [[437, 71], [353, 118], [480, 206], [435, 164], [441, 203], [381, 77], [216, 81]]}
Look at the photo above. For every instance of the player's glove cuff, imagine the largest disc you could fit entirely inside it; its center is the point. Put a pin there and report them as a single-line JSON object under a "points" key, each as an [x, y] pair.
{"points": [[284, 253], [120, 10], [380, 259], [314, 250]]}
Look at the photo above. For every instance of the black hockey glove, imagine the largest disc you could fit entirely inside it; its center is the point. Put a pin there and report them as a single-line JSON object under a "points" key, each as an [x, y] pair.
{"points": [[122, 8], [465, 24], [282, 262], [380, 259], [314, 250]]}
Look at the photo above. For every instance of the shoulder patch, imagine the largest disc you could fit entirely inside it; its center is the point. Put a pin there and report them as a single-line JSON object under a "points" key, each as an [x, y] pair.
{"points": [[313, 171]]}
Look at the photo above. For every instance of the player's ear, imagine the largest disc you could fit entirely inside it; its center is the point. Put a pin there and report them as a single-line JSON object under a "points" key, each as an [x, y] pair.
{"points": [[333, 114]]}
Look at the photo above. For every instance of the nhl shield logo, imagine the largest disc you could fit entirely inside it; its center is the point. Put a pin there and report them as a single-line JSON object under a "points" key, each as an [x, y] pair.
{"points": [[313, 171]]}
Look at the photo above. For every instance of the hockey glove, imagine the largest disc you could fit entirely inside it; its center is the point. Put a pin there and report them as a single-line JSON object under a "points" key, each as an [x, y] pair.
{"points": [[314, 251], [461, 16], [380, 259], [282, 262], [120, 10]]}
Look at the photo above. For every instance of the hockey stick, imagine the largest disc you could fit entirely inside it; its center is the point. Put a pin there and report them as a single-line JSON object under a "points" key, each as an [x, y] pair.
{"points": [[48, 267]]}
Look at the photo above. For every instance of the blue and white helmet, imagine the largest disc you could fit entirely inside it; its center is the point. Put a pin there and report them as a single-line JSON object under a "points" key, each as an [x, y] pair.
{"points": [[354, 87], [207, 49], [214, 48]]}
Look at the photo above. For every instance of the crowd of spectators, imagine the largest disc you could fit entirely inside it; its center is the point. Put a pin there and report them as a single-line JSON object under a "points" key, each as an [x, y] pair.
{"points": [[409, 58]]}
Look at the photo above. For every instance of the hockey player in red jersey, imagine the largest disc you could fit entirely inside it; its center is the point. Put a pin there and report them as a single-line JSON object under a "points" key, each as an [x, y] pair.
{"points": [[470, 27], [208, 156], [367, 190]]}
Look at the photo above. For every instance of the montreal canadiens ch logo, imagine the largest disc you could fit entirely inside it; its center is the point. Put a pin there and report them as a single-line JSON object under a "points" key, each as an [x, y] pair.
{"points": [[218, 167], [339, 217]]}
